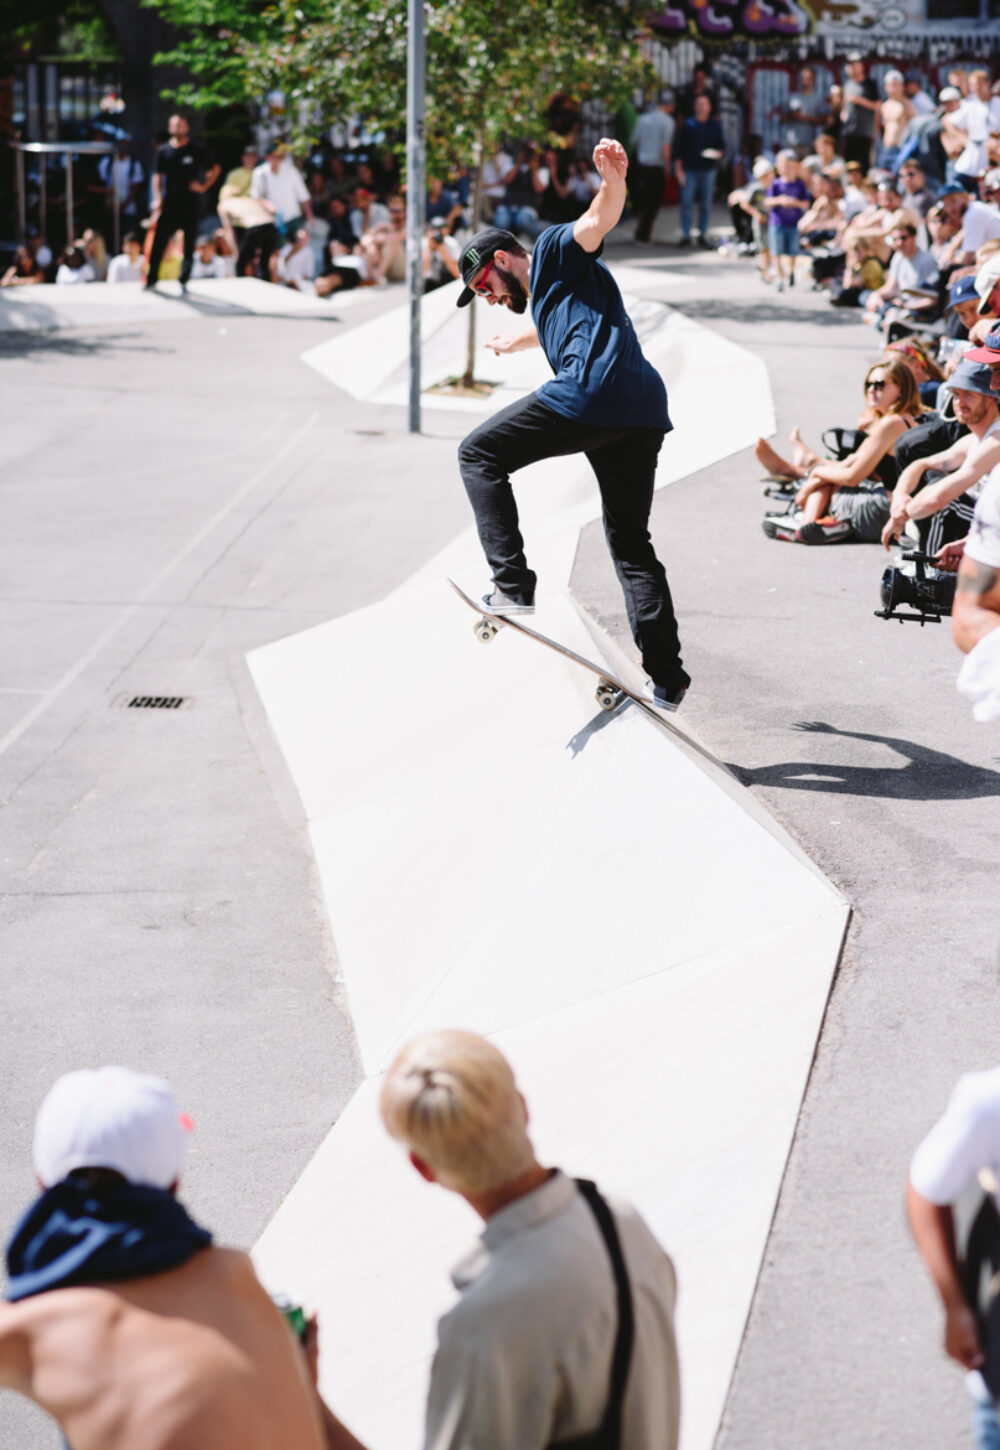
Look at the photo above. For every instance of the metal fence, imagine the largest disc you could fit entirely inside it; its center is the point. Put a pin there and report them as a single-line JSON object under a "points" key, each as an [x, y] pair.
{"points": [[67, 149]]}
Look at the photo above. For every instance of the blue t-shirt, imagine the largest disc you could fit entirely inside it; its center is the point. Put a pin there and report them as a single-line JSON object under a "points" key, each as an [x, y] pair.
{"points": [[601, 376], [788, 216]]}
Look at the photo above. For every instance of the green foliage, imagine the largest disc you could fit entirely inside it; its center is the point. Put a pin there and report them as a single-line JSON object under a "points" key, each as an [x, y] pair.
{"points": [[492, 65], [75, 29]]}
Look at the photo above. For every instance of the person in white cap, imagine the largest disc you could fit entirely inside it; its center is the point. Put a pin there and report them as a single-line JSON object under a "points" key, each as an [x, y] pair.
{"points": [[123, 1321]]}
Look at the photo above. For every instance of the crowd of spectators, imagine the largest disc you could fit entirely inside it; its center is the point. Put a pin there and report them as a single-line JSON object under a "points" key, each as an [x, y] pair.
{"points": [[895, 216]]}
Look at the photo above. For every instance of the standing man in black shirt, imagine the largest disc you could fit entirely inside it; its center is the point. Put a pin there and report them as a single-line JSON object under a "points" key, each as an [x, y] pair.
{"points": [[184, 171], [860, 113]]}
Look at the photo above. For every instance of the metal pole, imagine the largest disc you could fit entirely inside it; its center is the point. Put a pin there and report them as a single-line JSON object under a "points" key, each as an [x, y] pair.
{"points": [[22, 205], [43, 204], [415, 192], [69, 198], [116, 200]]}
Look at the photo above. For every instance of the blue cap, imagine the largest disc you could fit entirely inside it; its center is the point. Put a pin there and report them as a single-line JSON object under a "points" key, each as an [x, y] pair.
{"points": [[964, 290], [972, 377], [990, 350], [952, 189]]}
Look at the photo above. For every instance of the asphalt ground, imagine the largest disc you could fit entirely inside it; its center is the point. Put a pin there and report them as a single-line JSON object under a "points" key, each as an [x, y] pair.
{"points": [[174, 496], [850, 730], [177, 495]]}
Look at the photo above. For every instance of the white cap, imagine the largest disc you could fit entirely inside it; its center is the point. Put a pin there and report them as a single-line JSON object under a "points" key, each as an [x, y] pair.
{"points": [[112, 1118], [987, 278], [950, 93], [762, 167]]}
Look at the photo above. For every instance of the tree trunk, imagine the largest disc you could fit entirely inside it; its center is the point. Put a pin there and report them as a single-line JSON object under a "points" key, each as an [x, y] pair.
{"points": [[469, 376]]}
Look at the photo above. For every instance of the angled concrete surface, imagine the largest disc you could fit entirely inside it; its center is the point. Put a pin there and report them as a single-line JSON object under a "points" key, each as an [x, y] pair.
{"points": [[498, 854]]}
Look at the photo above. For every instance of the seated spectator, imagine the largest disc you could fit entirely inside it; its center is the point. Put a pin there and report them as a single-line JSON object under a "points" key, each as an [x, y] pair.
{"points": [[207, 263], [970, 126], [786, 201], [910, 270], [848, 499], [96, 252], [866, 243], [918, 193], [442, 204], [74, 267], [917, 96], [825, 159], [746, 207], [366, 212], [130, 264], [824, 221], [277, 184], [441, 253], [979, 222], [942, 229], [943, 507], [341, 240], [293, 264], [976, 611], [498, 170], [124, 1322], [235, 207], [338, 276], [225, 251], [584, 183], [518, 212], [855, 200], [962, 311], [24, 271], [383, 246]]}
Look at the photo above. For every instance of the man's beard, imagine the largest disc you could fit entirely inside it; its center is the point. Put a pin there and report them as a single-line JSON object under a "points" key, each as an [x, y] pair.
{"points": [[517, 297]]}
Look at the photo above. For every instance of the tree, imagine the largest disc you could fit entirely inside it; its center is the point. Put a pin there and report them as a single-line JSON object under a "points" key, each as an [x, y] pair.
{"points": [[492, 65]]}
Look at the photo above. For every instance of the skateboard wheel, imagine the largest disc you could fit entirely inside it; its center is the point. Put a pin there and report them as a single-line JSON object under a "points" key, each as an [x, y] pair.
{"points": [[484, 630], [607, 696]]}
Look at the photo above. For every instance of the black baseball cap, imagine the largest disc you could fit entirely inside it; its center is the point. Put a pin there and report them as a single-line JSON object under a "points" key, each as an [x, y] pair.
{"points": [[478, 251]]}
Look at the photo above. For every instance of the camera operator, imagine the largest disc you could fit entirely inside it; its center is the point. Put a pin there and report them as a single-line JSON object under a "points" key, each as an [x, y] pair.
{"points": [[944, 508], [441, 254], [975, 618]]}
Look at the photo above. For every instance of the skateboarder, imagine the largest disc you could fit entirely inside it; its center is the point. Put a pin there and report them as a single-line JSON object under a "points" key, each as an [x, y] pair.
{"points": [[605, 400]]}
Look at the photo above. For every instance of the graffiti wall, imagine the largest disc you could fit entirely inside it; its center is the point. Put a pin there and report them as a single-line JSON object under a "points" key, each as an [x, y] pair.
{"points": [[774, 21]]}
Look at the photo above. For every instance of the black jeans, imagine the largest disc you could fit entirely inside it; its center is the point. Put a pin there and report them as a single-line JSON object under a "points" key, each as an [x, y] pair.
{"points": [[624, 460], [263, 239], [173, 219], [647, 199]]}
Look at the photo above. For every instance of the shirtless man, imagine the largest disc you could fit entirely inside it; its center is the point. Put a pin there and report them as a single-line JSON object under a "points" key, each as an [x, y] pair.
{"points": [[896, 112], [140, 1332]]}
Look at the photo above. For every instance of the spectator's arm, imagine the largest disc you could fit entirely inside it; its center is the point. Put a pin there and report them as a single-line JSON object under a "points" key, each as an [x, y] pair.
{"points": [[208, 180], [607, 206], [338, 1436], [933, 1229], [863, 463], [936, 496]]}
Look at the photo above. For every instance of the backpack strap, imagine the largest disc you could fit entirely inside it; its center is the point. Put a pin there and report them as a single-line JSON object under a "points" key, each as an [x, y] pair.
{"points": [[611, 1424]]}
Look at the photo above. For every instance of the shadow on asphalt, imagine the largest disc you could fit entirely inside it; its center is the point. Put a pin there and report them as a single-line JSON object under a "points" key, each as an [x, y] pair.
{"points": [[29, 344], [706, 308], [928, 775]]}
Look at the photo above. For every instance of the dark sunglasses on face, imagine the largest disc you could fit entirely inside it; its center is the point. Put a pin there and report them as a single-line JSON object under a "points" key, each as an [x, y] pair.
{"points": [[876, 386]]}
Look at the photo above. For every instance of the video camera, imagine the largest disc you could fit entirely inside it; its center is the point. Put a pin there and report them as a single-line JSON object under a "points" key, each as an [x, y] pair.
{"points": [[925, 587]]}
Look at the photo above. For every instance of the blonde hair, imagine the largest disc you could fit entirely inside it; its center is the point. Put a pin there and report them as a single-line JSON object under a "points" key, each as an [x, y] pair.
{"points": [[451, 1098]]}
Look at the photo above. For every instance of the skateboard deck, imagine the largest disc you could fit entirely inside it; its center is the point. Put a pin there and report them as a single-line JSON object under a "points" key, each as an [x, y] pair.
{"points": [[610, 689]]}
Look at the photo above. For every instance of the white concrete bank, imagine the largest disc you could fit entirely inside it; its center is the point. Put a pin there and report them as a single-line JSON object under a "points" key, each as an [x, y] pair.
{"points": [[588, 889]]}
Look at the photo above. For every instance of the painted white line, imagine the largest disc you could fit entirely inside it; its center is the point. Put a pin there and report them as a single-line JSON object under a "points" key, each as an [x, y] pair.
{"points": [[103, 640]]}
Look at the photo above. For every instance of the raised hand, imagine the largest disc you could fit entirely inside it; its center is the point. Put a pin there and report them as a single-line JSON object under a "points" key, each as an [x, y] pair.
{"points": [[610, 159]]}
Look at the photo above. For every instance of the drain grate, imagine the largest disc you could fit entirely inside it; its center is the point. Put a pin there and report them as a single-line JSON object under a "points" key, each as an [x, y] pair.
{"points": [[153, 702]]}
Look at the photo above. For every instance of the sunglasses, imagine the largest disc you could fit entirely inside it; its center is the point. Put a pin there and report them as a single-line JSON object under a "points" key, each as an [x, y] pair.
{"points": [[876, 386], [480, 287]]}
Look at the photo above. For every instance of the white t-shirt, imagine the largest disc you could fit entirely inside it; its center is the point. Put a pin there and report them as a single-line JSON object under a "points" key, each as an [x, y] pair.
{"points": [[653, 130], [981, 224], [122, 269], [72, 276], [979, 122], [494, 171], [214, 267], [920, 270], [983, 543], [922, 103], [378, 215], [298, 268], [284, 188]]}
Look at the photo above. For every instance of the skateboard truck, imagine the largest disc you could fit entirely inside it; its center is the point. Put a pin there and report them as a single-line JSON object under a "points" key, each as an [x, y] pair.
{"points": [[485, 630], [608, 695]]}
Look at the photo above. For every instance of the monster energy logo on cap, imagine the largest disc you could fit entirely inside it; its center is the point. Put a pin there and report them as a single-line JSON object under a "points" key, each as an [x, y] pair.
{"points": [[483, 246]]}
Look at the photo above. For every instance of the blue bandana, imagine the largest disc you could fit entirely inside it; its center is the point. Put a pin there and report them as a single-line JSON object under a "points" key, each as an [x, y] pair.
{"points": [[75, 1235]]}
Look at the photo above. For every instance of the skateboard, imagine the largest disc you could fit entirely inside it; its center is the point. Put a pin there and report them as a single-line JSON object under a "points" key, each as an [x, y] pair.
{"points": [[610, 690]]}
